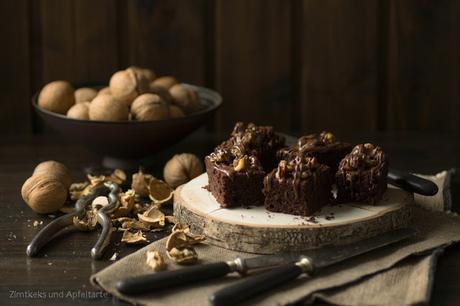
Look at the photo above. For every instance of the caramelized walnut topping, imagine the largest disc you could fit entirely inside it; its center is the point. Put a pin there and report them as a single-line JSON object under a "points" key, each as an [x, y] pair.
{"points": [[314, 140], [300, 167], [363, 156]]}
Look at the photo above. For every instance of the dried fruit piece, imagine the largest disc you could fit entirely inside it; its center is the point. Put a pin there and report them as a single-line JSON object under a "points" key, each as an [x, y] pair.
{"points": [[160, 192], [155, 261], [134, 238]]}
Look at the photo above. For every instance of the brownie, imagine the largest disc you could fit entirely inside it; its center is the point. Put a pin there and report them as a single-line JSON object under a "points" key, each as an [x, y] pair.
{"points": [[234, 181], [301, 186], [362, 175], [323, 146], [237, 167]]}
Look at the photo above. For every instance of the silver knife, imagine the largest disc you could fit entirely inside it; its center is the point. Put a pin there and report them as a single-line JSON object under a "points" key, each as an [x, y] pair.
{"points": [[316, 259], [306, 263]]}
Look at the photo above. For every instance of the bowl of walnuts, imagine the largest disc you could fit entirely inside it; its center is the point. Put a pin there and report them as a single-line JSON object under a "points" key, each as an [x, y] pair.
{"points": [[136, 116]]}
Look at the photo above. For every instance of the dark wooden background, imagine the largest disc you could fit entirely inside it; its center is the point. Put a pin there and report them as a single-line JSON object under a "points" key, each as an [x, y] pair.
{"points": [[302, 65]]}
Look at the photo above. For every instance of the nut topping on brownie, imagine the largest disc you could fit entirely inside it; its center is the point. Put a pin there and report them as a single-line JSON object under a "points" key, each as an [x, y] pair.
{"points": [[236, 167], [300, 187], [362, 174]]}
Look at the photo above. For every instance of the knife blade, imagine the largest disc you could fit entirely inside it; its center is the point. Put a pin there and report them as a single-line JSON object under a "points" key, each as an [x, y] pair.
{"points": [[307, 263], [412, 183], [167, 279]]}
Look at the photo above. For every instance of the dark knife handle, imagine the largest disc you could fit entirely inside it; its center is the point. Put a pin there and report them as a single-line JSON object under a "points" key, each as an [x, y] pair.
{"points": [[254, 285], [168, 279], [412, 183]]}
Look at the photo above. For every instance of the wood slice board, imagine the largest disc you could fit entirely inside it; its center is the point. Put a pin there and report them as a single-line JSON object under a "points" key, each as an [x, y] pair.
{"points": [[256, 230]]}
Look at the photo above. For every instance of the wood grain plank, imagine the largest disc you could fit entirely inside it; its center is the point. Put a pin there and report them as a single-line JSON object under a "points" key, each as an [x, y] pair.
{"points": [[58, 40], [253, 62], [96, 42], [167, 36], [339, 65], [424, 65], [14, 55], [79, 40]]}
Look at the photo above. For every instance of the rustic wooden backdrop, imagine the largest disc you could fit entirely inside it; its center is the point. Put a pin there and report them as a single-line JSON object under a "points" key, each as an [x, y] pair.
{"points": [[302, 65]]}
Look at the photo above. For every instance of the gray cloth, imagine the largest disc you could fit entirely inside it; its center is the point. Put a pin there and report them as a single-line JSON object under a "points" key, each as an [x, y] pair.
{"points": [[390, 276]]}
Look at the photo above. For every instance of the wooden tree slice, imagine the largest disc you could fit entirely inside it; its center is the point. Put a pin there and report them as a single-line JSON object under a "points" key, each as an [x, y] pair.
{"points": [[256, 230]]}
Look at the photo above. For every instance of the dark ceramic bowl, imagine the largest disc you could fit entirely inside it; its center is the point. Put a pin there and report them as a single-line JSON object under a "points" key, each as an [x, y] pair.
{"points": [[131, 140]]}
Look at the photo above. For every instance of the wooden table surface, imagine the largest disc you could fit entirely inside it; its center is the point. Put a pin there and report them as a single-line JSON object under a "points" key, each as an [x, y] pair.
{"points": [[60, 275]]}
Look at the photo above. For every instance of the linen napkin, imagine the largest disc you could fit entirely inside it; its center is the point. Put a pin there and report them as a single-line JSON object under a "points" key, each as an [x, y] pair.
{"points": [[400, 274]]}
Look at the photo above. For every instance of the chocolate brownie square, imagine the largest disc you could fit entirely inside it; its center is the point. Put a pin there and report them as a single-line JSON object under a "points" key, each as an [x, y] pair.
{"points": [[235, 182], [237, 167], [362, 175], [301, 186]]}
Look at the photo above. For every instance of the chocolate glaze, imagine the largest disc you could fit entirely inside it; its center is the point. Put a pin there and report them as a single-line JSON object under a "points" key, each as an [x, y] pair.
{"points": [[300, 186], [362, 175], [323, 146]]}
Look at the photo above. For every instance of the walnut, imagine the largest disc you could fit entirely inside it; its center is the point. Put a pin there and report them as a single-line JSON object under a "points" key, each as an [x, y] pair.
{"points": [[44, 193], [107, 108], [160, 192], [57, 97], [184, 256], [155, 260], [134, 238], [79, 111], [148, 74], [162, 92], [153, 217], [179, 247], [126, 85], [241, 164], [126, 203], [55, 169], [186, 98], [85, 94], [88, 222], [148, 107], [182, 168], [176, 112], [140, 183], [164, 82], [104, 91]]}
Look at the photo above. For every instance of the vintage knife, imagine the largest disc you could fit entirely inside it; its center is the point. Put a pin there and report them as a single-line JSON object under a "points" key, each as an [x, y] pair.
{"points": [[319, 257], [307, 263], [412, 183]]}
